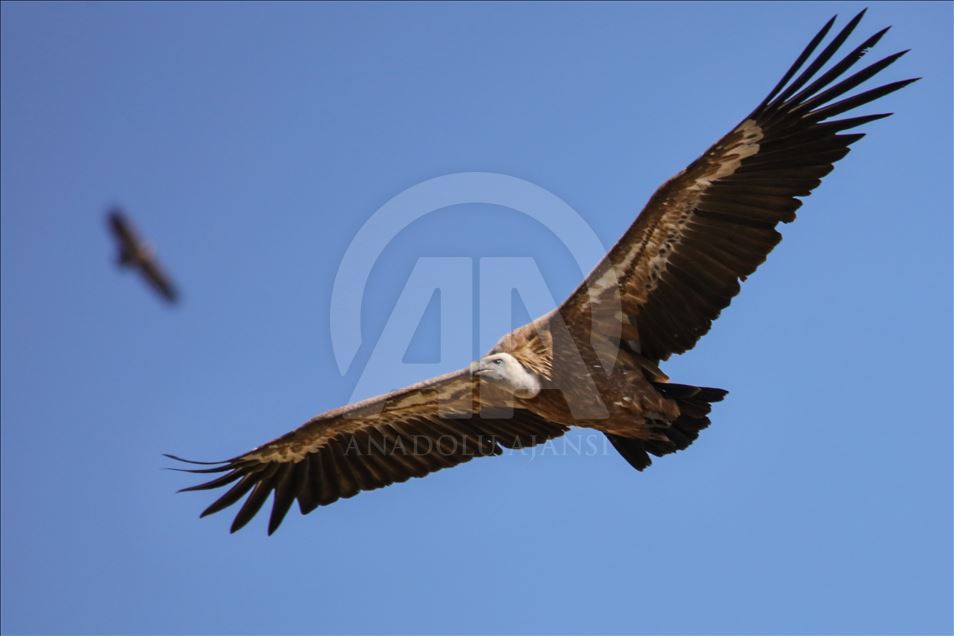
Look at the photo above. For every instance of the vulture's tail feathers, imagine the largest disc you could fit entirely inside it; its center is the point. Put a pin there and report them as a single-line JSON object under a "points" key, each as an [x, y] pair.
{"points": [[694, 405]]}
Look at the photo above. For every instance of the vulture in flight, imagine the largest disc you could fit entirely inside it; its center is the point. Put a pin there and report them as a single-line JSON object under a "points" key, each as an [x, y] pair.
{"points": [[134, 252], [594, 360]]}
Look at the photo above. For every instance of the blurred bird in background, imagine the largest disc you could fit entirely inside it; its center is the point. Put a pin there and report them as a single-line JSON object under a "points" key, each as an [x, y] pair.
{"points": [[137, 254]]}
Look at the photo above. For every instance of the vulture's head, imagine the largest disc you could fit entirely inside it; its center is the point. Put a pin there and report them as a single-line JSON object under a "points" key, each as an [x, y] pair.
{"points": [[506, 372]]}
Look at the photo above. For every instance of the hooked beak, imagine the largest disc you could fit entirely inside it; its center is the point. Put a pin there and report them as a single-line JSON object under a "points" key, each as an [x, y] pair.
{"points": [[478, 369]]}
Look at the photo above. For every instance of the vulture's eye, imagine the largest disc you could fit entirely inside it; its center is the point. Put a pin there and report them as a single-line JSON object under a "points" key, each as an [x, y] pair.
{"points": [[498, 361]]}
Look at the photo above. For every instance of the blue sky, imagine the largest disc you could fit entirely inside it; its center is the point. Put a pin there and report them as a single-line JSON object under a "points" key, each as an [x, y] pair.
{"points": [[251, 143]]}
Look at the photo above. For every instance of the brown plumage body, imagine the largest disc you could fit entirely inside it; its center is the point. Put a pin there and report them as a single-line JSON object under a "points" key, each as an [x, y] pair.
{"points": [[594, 360], [580, 389]]}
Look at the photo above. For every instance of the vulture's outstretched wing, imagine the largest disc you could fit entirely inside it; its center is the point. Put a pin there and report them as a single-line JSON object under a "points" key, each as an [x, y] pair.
{"points": [[133, 252], [432, 425], [713, 224]]}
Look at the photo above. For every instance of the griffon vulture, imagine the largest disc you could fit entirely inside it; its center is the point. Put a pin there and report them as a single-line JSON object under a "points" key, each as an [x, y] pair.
{"points": [[134, 252], [593, 361]]}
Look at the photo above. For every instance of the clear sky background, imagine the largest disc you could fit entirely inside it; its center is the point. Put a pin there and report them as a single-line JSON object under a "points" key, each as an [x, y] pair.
{"points": [[251, 142]]}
